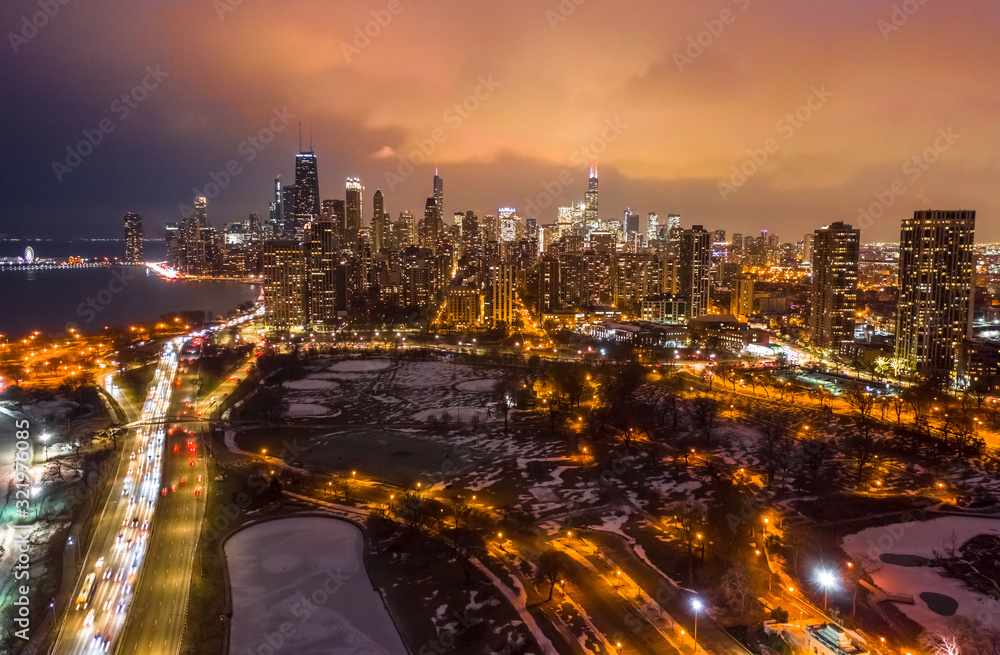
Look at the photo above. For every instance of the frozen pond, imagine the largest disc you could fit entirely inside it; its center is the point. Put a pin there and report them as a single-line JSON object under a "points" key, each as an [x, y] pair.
{"points": [[299, 586], [900, 558]]}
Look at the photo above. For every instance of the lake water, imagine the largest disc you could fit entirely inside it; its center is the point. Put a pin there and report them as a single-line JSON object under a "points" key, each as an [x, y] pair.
{"points": [[299, 585], [92, 298]]}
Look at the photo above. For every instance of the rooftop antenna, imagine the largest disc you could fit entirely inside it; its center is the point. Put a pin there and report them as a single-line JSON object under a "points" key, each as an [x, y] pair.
{"points": [[300, 136], [311, 139]]}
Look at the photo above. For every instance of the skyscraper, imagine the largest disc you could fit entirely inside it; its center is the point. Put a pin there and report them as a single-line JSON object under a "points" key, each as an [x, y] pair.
{"points": [[694, 269], [807, 249], [652, 227], [673, 235], [284, 285], [934, 314], [432, 223], [837, 249], [503, 293], [353, 210], [380, 222], [412, 237], [133, 238], [307, 183], [508, 224], [471, 240], [590, 216], [289, 209], [439, 192], [321, 258], [275, 214]]}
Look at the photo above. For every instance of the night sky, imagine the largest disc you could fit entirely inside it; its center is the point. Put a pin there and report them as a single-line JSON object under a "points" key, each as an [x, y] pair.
{"points": [[665, 97]]}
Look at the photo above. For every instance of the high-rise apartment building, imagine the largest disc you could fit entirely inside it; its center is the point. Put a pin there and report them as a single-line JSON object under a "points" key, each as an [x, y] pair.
{"points": [[284, 285], [836, 252], [321, 258], [133, 238], [694, 269], [503, 292], [934, 314], [741, 300]]}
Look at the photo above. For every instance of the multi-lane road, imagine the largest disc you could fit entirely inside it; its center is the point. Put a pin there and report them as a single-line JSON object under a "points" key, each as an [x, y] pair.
{"points": [[157, 618], [132, 593], [114, 559]]}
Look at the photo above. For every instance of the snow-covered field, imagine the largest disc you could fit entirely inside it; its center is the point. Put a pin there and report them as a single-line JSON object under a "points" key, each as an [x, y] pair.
{"points": [[360, 366], [311, 384], [479, 386], [927, 539], [301, 582], [303, 410]]}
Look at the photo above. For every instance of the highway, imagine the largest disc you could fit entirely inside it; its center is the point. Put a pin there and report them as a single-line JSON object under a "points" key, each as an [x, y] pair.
{"points": [[157, 618], [97, 610]]}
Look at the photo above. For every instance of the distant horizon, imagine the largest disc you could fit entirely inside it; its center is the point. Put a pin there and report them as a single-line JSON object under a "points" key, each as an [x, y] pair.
{"points": [[739, 115]]}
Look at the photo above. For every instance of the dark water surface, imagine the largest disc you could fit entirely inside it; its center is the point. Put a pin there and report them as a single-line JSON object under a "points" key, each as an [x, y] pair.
{"points": [[92, 298]]}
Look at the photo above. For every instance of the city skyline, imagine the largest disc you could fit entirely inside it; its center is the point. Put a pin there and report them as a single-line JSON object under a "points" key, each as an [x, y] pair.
{"points": [[699, 353], [666, 121]]}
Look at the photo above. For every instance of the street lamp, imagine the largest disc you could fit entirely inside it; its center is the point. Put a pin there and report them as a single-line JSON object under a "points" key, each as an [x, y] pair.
{"points": [[827, 580], [696, 604]]}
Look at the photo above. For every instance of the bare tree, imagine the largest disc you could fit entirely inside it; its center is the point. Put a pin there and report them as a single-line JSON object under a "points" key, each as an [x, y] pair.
{"points": [[705, 411], [553, 565], [466, 544], [689, 521], [862, 402]]}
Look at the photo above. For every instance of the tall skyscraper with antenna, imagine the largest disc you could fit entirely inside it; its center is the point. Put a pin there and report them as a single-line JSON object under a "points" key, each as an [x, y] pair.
{"points": [[590, 216], [438, 192], [307, 183]]}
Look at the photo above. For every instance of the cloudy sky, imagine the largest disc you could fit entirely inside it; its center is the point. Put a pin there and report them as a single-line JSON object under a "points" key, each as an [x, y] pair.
{"points": [[744, 115]]}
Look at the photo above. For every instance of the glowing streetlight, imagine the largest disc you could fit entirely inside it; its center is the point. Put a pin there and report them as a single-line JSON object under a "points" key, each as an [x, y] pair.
{"points": [[826, 579]]}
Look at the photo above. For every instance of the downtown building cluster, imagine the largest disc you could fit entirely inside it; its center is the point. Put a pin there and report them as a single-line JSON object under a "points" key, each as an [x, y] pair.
{"points": [[328, 262]]}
